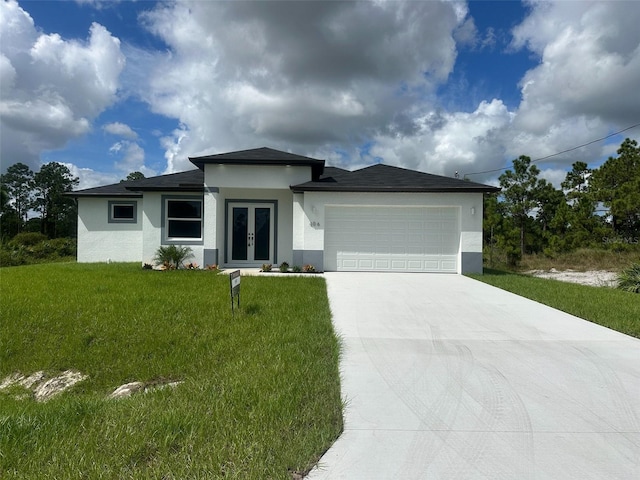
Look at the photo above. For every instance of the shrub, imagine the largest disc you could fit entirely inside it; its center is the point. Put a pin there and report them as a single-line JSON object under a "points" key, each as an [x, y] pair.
{"points": [[41, 250], [284, 267], [266, 267], [172, 256], [296, 269], [11, 258], [54, 248], [629, 279], [21, 251], [64, 247], [29, 239]]}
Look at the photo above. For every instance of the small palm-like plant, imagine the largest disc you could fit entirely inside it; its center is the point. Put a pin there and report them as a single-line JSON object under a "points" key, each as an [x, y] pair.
{"points": [[172, 256], [629, 279]]}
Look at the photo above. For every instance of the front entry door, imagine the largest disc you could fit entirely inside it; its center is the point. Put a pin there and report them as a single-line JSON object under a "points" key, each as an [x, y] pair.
{"points": [[250, 233]]}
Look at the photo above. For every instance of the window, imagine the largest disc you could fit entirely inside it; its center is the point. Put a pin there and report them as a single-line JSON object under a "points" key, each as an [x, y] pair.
{"points": [[123, 212], [183, 219]]}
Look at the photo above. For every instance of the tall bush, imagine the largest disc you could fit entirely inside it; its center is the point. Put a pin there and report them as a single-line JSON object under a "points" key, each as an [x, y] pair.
{"points": [[28, 239], [31, 247]]}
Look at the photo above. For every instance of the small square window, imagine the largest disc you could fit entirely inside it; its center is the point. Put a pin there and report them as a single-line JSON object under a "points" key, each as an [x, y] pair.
{"points": [[123, 212]]}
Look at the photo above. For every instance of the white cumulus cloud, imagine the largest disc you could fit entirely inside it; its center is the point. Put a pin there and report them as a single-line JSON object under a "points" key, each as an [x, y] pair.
{"points": [[589, 71], [120, 130], [351, 82], [52, 88], [293, 75]]}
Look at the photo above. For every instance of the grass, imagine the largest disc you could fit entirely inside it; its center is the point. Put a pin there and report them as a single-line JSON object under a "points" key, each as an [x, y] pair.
{"points": [[260, 398], [615, 309]]}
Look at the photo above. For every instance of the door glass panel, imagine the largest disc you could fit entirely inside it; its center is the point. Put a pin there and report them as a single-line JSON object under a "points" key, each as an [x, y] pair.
{"points": [[263, 233], [239, 236]]}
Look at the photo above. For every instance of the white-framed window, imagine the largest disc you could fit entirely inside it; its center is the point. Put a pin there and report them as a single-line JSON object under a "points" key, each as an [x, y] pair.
{"points": [[123, 212], [182, 219]]}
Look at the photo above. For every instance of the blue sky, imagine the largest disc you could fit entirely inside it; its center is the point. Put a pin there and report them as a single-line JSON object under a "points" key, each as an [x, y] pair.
{"points": [[112, 87]]}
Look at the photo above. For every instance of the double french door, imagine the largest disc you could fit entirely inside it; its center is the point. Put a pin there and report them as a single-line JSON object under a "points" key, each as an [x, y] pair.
{"points": [[250, 233]]}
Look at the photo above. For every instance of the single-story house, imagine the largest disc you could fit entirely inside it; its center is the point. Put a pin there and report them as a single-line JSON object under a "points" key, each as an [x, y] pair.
{"points": [[248, 208]]}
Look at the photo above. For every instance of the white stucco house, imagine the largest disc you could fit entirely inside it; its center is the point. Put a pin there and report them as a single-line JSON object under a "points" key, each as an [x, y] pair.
{"points": [[248, 208]]}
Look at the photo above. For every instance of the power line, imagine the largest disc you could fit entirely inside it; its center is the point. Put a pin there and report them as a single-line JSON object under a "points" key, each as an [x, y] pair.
{"points": [[560, 153]]}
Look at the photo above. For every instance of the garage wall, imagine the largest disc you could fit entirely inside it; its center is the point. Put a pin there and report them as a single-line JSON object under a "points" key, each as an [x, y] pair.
{"points": [[470, 204], [392, 238]]}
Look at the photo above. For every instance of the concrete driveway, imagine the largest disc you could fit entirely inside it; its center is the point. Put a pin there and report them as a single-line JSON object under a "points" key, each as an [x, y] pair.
{"points": [[448, 378]]}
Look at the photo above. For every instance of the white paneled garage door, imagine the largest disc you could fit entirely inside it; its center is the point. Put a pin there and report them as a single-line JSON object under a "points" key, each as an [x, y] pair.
{"points": [[402, 239]]}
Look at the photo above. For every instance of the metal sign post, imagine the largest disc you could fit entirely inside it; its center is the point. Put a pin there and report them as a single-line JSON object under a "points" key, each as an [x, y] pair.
{"points": [[234, 284]]}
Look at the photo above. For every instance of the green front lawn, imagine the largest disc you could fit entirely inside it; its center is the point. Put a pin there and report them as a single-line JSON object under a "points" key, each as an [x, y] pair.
{"points": [[609, 307], [260, 396]]}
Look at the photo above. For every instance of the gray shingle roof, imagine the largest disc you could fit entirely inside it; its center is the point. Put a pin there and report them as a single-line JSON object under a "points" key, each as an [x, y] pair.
{"points": [[375, 178], [385, 178], [189, 181], [115, 190], [260, 156]]}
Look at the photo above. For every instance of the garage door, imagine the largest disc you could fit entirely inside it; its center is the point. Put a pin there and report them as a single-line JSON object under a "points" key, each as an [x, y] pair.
{"points": [[402, 239]]}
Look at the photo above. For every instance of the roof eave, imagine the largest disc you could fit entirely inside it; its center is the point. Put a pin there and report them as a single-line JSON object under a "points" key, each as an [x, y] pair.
{"points": [[104, 194], [199, 161], [319, 188], [199, 189], [317, 166]]}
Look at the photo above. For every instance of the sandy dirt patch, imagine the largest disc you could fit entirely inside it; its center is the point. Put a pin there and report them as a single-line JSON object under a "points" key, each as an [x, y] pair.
{"points": [[594, 278]]}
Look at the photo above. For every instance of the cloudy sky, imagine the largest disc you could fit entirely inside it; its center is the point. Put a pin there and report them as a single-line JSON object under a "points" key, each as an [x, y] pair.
{"points": [[108, 87]]}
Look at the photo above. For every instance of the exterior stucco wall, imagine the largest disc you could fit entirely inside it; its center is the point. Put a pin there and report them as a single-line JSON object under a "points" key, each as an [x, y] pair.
{"points": [[299, 219], [102, 241], [153, 235], [470, 205], [228, 183], [211, 252], [255, 176]]}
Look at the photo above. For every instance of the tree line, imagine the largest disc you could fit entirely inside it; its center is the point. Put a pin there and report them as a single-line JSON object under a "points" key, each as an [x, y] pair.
{"points": [[593, 208], [24, 192]]}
